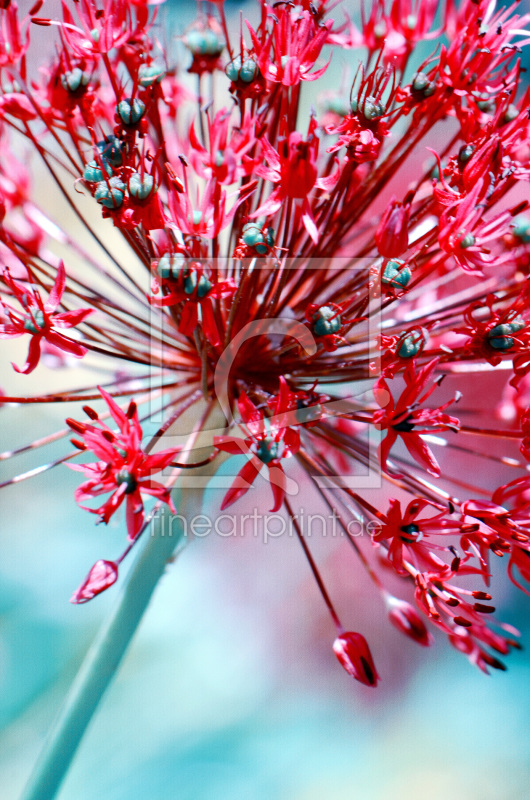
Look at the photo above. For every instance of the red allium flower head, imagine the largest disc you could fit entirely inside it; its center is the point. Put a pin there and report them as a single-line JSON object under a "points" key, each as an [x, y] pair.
{"points": [[311, 274], [288, 55], [354, 655], [102, 575]]}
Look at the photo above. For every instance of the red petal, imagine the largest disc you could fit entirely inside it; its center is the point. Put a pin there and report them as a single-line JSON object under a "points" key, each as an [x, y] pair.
{"points": [[278, 482], [420, 452], [246, 475], [68, 319], [68, 345], [134, 514], [33, 357], [117, 414], [208, 323], [58, 289], [231, 444]]}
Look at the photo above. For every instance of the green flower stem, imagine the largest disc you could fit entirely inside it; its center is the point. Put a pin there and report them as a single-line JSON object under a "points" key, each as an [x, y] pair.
{"points": [[104, 657]]}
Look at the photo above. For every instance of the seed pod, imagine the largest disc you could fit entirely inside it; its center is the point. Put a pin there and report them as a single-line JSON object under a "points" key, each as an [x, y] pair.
{"points": [[396, 273], [75, 79], [326, 321], [149, 74], [93, 172], [131, 110], [141, 188], [110, 194]]}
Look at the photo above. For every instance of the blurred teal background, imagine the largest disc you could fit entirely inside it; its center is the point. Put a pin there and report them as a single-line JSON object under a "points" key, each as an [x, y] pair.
{"points": [[230, 690]]}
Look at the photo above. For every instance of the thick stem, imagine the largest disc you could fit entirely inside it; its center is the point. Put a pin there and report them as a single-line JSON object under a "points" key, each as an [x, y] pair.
{"points": [[104, 656]]}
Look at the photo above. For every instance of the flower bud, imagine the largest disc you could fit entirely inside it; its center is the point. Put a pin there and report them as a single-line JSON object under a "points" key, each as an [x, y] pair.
{"points": [[391, 236], [407, 620], [102, 575], [354, 654]]}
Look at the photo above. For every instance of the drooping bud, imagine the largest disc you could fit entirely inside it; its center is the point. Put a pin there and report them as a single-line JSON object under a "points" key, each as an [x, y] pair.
{"points": [[102, 575], [392, 236], [354, 654], [407, 620], [148, 74], [110, 193]]}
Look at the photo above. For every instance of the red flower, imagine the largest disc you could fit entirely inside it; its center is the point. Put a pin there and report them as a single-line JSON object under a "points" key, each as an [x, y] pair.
{"points": [[39, 320], [326, 324], [205, 42], [123, 469], [269, 441], [501, 334], [293, 169], [407, 620], [406, 534], [354, 654], [188, 282], [111, 27], [502, 531], [296, 44], [227, 145], [406, 420], [13, 41], [463, 620], [398, 351], [362, 132], [206, 217]]}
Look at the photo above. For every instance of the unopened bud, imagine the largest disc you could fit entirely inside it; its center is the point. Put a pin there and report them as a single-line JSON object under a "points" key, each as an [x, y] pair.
{"points": [[391, 236], [354, 654], [102, 575], [407, 620]]}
